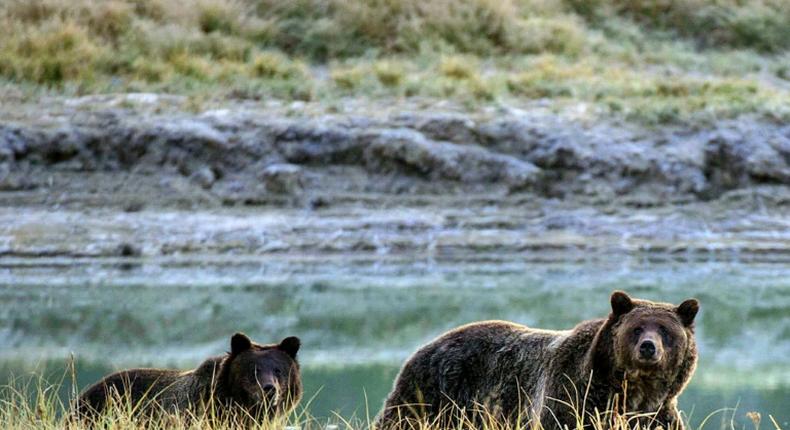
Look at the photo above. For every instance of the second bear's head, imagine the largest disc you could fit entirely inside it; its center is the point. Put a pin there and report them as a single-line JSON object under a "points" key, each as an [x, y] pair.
{"points": [[264, 378], [651, 336]]}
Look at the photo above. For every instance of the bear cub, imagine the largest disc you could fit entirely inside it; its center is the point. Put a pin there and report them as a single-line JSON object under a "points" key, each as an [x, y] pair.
{"points": [[260, 381], [635, 361]]}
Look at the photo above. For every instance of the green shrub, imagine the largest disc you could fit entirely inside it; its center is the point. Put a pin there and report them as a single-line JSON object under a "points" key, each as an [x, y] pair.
{"points": [[763, 25]]}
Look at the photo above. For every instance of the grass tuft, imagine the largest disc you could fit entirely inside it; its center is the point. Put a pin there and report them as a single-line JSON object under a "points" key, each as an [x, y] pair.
{"points": [[457, 67], [389, 73], [111, 20], [62, 51], [275, 65], [220, 16], [348, 78]]}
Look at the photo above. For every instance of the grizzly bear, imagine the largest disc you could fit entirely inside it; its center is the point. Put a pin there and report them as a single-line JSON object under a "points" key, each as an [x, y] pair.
{"points": [[634, 362], [259, 381]]}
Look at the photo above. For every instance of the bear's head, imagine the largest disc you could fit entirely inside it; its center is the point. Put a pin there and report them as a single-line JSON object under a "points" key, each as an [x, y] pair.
{"points": [[650, 337], [264, 379]]}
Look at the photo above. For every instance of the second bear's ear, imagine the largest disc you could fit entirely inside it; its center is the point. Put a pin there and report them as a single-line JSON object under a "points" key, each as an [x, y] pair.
{"points": [[239, 343], [687, 311], [621, 303], [290, 345]]}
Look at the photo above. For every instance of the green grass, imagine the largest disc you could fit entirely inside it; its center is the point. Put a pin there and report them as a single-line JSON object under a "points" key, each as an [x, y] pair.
{"points": [[651, 61]]}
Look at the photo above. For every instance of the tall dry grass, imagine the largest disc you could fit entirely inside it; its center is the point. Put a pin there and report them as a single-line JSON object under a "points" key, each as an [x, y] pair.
{"points": [[34, 403]]}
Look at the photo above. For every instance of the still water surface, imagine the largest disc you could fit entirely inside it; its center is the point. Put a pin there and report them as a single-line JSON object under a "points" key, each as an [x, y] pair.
{"points": [[360, 318]]}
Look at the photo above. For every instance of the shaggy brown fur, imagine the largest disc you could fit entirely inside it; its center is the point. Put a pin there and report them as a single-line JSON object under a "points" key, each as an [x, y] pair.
{"points": [[517, 373], [262, 380]]}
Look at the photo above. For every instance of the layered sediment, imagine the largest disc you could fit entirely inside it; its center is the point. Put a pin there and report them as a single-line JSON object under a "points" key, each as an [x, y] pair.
{"points": [[138, 175]]}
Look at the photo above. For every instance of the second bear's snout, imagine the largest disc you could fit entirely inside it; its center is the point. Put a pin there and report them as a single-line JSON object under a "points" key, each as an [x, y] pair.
{"points": [[269, 389], [269, 393]]}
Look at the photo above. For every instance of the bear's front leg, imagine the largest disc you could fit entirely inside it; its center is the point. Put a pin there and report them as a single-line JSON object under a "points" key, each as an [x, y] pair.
{"points": [[669, 417]]}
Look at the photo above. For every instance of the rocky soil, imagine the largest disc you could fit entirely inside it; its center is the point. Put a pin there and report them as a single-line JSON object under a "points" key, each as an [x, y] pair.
{"points": [[139, 175]]}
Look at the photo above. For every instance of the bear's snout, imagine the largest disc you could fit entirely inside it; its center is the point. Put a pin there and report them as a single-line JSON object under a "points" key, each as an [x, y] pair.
{"points": [[647, 350], [269, 393]]}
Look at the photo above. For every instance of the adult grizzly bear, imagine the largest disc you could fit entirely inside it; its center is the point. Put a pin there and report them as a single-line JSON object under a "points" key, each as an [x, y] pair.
{"points": [[260, 381], [516, 374]]}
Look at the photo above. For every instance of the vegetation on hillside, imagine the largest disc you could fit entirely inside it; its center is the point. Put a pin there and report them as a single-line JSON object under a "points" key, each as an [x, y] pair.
{"points": [[651, 60]]}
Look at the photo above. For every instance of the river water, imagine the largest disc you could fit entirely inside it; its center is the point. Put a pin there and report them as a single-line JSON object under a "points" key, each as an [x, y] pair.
{"points": [[359, 318]]}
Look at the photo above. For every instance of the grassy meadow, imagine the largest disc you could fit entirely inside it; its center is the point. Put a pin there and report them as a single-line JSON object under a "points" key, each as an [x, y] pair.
{"points": [[651, 61]]}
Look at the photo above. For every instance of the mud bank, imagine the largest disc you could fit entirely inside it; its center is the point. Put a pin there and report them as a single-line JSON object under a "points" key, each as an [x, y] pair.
{"points": [[138, 175]]}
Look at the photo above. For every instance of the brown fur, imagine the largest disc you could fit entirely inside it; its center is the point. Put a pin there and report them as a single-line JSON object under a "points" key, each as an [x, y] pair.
{"points": [[262, 380], [517, 373]]}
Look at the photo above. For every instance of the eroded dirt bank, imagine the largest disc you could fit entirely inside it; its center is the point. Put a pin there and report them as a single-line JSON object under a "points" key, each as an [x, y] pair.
{"points": [[139, 175]]}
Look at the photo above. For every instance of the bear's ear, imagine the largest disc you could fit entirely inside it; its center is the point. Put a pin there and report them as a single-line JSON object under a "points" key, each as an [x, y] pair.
{"points": [[687, 311], [621, 303], [290, 345], [239, 343]]}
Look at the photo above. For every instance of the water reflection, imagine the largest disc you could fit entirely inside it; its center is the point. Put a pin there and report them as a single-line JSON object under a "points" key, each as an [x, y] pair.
{"points": [[358, 319]]}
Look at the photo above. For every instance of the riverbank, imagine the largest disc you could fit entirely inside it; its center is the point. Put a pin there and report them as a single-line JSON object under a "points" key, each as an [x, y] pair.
{"points": [[140, 174]]}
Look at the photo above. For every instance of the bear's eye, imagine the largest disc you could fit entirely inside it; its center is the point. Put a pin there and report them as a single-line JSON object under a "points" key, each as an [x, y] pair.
{"points": [[638, 331], [665, 336], [277, 372]]}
